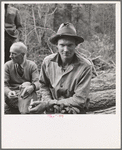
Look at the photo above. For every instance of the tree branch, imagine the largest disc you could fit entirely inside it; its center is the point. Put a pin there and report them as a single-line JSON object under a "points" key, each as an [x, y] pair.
{"points": [[50, 48], [35, 24]]}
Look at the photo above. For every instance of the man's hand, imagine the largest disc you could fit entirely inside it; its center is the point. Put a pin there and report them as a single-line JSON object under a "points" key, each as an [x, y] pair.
{"points": [[51, 103], [66, 108], [70, 110], [61, 108], [39, 107], [12, 95], [27, 91], [56, 109], [12, 99]]}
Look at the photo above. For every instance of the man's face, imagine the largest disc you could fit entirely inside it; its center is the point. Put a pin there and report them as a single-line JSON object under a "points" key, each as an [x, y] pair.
{"points": [[66, 47], [16, 56]]}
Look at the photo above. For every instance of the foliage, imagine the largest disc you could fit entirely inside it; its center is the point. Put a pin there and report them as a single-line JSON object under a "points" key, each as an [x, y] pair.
{"points": [[95, 22]]}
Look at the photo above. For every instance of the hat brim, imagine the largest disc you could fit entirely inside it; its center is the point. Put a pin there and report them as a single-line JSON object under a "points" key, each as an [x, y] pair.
{"points": [[54, 38]]}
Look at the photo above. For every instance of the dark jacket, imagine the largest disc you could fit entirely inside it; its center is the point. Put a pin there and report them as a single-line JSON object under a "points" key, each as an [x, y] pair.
{"points": [[12, 21]]}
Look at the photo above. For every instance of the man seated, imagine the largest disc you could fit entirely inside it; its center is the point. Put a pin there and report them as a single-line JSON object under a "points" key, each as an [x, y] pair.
{"points": [[65, 76], [17, 71]]}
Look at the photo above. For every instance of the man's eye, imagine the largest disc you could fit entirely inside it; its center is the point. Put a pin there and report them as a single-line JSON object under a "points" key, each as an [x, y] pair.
{"points": [[62, 45], [70, 45], [13, 54]]}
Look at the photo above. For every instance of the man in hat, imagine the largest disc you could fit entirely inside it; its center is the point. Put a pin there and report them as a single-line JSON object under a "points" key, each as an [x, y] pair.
{"points": [[12, 28], [17, 71], [65, 76]]}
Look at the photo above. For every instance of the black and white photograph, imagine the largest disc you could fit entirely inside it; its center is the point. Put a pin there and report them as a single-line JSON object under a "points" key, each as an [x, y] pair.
{"points": [[61, 61]]}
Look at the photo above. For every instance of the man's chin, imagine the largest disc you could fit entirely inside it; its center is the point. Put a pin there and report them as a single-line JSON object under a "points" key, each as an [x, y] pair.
{"points": [[67, 56]]}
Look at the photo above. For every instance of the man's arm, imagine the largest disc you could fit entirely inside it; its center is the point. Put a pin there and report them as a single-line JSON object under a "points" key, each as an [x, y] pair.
{"points": [[46, 101], [18, 20], [18, 24], [35, 77], [6, 80], [45, 83], [35, 85]]}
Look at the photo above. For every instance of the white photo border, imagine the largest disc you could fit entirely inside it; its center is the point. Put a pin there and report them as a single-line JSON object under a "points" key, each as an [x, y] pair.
{"points": [[70, 131]]}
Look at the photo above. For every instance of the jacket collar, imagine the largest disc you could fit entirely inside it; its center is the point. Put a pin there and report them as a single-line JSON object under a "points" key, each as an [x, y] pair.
{"points": [[57, 59], [23, 64]]}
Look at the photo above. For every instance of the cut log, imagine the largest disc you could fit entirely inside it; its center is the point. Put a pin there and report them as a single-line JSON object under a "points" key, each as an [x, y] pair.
{"points": [[102, 82], [102, 100], [111, 110], [102, 92]]}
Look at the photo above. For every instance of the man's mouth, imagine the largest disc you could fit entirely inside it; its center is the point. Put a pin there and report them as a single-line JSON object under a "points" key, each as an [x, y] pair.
{"points": [[66, 54]]}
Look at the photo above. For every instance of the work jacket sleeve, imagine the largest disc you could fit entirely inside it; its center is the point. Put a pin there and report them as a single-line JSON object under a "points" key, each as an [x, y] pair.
{"points": [[6, 80], [45, 84], [18, 21], [35, 76]]}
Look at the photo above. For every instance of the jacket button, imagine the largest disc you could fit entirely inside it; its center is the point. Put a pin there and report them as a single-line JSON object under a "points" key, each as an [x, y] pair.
{"points": [[61, 85]]}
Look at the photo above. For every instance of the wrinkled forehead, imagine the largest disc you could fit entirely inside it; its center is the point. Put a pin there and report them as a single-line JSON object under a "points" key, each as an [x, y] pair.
{"points": [[17, 48]]}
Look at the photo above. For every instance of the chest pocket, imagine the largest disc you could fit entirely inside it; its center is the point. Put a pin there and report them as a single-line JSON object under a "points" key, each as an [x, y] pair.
{"points": [[62, 93]]}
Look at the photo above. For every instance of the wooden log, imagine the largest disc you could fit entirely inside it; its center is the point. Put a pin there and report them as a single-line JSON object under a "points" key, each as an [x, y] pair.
{"points": [[111, 110], [102, 82], [102, 92], [102, 100]]}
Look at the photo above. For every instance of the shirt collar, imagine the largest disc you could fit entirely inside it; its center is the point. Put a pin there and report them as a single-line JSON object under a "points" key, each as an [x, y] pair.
{"points": [[23, 63], [57, 59]]}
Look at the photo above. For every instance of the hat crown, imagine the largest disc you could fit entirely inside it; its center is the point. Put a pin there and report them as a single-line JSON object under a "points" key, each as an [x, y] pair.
{"points": [[66, 28]]}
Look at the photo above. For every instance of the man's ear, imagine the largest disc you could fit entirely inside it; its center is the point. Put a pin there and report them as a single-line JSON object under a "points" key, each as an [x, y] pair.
{"points": [[76, 43], [56, 43]]}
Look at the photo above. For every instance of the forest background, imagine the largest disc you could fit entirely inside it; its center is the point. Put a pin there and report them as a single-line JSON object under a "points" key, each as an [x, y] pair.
{"points": [[94, 22]]}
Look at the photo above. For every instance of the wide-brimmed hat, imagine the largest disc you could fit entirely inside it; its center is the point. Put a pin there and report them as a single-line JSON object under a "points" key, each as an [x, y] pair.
{"points": [[66, 29]]}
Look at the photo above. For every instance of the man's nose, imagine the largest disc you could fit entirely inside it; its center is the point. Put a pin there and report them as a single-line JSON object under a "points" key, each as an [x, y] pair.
{"points": [[11, 56], [65, 48]]}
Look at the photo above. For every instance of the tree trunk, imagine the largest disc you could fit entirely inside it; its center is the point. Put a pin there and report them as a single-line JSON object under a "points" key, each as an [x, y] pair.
{"points": [[55, 19], [90, 5], [68, 13]]}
